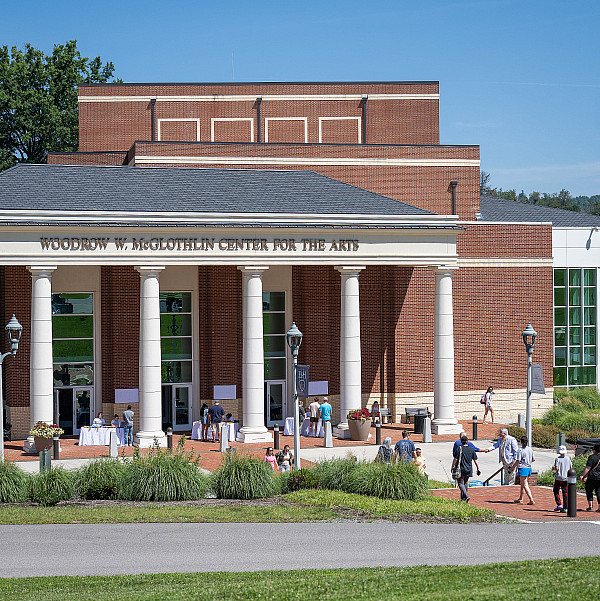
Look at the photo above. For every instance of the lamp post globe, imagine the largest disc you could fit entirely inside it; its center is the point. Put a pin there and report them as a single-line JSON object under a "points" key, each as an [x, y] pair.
{"points": [[13, 331], [294, 340], [529, 336]]}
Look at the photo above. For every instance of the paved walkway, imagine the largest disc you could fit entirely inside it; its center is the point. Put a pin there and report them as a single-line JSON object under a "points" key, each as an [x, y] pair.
{"points": [[500, 500]]}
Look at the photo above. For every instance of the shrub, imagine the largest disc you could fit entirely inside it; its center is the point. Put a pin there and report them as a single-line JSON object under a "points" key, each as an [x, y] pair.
{"points": [[572, 436], [299, 479], [543, 436], [244, 477], [400, 480], [547, 478], [335, 474], [588, 397], [48, 487], [101, 479], [13, 483], [163, 475]]}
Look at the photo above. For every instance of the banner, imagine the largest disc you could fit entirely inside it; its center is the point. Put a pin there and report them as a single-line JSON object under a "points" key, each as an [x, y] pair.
{"points": [[302, 380], [537, 379]]}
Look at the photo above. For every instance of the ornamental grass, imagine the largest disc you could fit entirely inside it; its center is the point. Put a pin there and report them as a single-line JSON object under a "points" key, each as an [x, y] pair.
{"points": [[13, 483], [49, 487], [101, 479], [243, 477]]}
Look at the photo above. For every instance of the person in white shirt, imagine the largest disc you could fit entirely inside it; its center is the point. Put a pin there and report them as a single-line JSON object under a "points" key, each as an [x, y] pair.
{"points": [[487, 397], [507, 453], [524, 461], [314, 409]]}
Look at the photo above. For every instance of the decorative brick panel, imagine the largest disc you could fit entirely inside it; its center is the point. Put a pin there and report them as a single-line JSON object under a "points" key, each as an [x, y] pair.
{"points": [[111, 158]]}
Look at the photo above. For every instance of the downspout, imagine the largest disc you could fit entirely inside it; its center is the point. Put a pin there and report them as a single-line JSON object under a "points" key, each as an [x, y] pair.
{"points": [[258, 132], [364, 119], [153, 117], [453, 184]]}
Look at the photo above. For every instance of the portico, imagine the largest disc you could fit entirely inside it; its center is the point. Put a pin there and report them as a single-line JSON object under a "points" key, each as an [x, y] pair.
{"points": [[168, 244]]}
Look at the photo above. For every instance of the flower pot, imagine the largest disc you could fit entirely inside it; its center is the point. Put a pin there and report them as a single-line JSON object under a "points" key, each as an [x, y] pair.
{"points": [[41, 444], [359, 429]]}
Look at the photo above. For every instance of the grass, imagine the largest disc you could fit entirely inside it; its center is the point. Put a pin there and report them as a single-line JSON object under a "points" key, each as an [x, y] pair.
{"points": [[119, 514], [430, 508], [542, 580]]}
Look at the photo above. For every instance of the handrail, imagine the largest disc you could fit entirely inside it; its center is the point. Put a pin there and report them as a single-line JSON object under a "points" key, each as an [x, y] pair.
{"points": [[487, 482]]}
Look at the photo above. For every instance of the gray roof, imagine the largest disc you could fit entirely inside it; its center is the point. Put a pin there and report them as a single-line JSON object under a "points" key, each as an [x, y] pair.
{"points": [[170, 189], [500, 209]]}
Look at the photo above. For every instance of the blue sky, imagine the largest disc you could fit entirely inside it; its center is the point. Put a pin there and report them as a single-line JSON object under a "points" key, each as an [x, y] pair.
{"points": [[519, 78]]}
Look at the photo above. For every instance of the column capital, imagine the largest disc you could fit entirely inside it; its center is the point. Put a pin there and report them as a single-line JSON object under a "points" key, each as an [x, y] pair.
{"points": [[149, 270], [350, 269], [253, 269], [42, 269], [444, 269]]}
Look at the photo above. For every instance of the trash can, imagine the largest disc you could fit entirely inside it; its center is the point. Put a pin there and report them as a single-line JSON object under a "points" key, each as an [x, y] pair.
{"points": [[420, 423]]}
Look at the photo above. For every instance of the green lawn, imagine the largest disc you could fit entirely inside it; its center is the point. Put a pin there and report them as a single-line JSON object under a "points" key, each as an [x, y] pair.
{"points": [[546, 580]]}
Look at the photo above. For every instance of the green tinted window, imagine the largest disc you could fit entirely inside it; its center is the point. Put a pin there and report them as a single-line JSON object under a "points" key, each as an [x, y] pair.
{"points": [[575, 376], [574, 297], [589, 375], [72, 326], [575, 316], [575, 355], [560, 317], [560, 277], [589, 336], [560, 356], [560, 336], [274, 346], [273, 301], [560, 376], [589, 355], [560, 299], [589, 277], [589, 297], [174, 349], [72, 303], [574, 277], [589, 316], [275, 369], [72, 351], [274, 323], [574, 335], [173, 324], [175, 302], [174, 372]]}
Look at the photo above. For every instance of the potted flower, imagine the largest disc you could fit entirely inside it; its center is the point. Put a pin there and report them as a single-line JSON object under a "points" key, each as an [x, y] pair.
{"points": [[359, 423], [43, 434]]}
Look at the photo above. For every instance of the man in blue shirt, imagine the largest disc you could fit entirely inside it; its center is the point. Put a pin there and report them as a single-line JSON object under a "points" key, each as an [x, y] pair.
{"points": [[458, 443], [325, 410], [404, 448], [216, 413]]}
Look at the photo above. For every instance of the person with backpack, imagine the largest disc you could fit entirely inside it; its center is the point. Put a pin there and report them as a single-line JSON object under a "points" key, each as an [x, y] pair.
{"points": [[591, 477], [486, 399]]}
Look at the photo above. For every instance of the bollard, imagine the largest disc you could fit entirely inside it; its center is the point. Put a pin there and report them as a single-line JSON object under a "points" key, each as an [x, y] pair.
{"points": [[45, 461], [377, 433], [474, 428], [112, 443], [427, 430], [56, 448], [327, 437], [170, 439], [560, 440], [572, 493], [521, 421], [276, 437]]}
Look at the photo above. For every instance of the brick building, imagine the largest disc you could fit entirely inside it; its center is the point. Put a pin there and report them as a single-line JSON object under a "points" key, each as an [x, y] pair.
{"points": [[197, 221]]}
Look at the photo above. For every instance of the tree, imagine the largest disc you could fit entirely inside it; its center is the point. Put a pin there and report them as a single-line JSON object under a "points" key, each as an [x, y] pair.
{"points": [[484, 180], [38, 100]]}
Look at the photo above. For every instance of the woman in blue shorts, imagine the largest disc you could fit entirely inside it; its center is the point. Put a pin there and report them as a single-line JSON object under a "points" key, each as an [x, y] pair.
{"points": [[524, 460]]}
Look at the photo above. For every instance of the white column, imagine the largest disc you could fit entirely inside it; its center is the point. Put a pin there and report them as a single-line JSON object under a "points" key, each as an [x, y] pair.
{"points": [[41, 383], [253, 363], [444, 421], [350, 358], [150, 402]]}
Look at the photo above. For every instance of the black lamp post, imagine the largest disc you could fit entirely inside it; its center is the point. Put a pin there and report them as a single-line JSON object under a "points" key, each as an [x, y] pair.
{"points": [[529, 336], [294, 340], [13, 331]]}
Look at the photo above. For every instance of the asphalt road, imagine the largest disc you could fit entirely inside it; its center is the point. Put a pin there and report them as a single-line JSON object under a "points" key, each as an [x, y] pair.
{"points": [[104, 549]]}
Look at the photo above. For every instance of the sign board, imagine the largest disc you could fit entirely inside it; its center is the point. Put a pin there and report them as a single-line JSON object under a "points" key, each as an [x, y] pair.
{"points": [[537, 379], [224, 393], [302, 380], [320, 387], [126, 395]]}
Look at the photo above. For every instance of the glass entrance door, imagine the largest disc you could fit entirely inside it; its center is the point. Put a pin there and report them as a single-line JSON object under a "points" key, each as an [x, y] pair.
{"points": [[275, 402], [176, 406], [73, 408]]}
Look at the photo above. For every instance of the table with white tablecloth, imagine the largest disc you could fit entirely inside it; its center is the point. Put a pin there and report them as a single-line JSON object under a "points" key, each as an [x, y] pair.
{"points": [[100, 437], [232, 427], [306, 430]]}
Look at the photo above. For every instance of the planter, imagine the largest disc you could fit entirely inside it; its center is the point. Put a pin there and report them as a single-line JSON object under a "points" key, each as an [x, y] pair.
{"points": [[41, 444], [359, 429]]}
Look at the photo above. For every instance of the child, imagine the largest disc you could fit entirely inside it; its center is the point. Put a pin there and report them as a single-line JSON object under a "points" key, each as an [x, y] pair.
{"points": [[562, 464], [419, 461]]}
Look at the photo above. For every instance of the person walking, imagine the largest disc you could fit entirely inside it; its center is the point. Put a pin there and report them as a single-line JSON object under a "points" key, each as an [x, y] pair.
{"points": [[385, 452], [523, 463], [404, 448], [315, 411], [128, 426], [464, 458], [591, 477], [562, 464], [205, 421], [285, 459], [215, 413], [486, 400], [271, 459], [507, 453]]}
